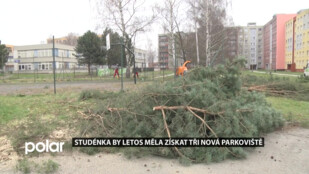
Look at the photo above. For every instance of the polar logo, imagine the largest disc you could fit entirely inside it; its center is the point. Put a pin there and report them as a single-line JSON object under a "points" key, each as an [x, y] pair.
{"points": [[41, 147]]}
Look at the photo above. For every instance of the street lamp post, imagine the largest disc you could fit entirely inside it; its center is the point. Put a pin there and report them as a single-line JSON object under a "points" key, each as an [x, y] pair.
{"points": [[123, 47], [2, 60]]}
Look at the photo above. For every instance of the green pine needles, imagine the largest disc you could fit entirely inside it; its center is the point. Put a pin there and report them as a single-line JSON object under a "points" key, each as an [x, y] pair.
{"points": [[207, 102]]}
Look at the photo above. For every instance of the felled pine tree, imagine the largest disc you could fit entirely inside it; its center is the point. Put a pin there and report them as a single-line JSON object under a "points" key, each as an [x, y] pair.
{"points": [[207, 102]]}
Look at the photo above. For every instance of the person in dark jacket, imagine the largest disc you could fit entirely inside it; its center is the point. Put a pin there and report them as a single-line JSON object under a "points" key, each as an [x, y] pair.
{"points": [[116, 72]]}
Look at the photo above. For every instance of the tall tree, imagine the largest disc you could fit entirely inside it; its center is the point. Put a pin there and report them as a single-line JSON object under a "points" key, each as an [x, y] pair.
{"points": [[89, 46], [113, 56], [128, 17], [151, 53], [4, 53], [168, 13], [193, 13], [212, 19]]}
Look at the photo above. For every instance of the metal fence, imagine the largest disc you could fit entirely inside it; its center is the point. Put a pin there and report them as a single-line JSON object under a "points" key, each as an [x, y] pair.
{"points": [[81, 74]]}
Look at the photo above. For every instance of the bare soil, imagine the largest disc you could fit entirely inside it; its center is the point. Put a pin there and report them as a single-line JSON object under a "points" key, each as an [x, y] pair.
{"points": [[285, 152]]}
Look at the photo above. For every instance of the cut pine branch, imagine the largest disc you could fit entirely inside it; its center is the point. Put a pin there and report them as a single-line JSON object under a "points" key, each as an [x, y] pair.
{"points": [[186, 108]]}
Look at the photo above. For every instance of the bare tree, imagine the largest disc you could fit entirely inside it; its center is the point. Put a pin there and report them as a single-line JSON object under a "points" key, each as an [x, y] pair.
{"points": [[168, 13], [72, 39], [211, 20], [151, 53], [180, 39], [193, 13], [127, 17]]}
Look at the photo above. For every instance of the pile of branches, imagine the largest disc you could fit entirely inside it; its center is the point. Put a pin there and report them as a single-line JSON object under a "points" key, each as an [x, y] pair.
{"points": [[206, 103], [277, 86], [272, 89]]}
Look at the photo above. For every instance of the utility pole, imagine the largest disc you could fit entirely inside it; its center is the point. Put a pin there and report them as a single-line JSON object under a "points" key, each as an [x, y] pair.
{"points": [[33, 69], [134, 70], [145, 75], [122, 45], [2, 62], [54, 63], [122, 52]]}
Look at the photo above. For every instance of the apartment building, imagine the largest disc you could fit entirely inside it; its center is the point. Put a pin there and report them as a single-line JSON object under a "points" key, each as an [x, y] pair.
{"points": [[297, 41], [39, 57], [251, 45], [245, 42], [274, 42], [289, 44], [163, 51], [302, 39], [166, 59], [140, 58]]}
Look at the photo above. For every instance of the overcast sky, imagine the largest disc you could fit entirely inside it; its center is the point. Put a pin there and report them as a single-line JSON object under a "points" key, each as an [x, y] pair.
{"points": [[24, 22]]}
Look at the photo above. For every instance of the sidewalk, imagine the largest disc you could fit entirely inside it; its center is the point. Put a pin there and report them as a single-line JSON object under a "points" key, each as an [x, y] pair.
{"points": [[291, 75]]}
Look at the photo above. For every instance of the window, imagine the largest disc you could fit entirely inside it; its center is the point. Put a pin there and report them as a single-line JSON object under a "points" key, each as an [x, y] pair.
{"points": [[35, 54], [56, 52]]}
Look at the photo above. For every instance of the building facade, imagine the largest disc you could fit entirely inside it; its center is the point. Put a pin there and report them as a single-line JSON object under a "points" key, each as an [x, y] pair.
{"points": [[289, 44], [140, 58], [297, 41], [39, 57], [274, 42], [163, 51], [252, 45], [166, 60], [245, 42]]}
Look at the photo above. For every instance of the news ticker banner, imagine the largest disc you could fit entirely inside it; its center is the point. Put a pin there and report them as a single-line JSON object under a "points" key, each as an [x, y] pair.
{"points": [[168, 142]]}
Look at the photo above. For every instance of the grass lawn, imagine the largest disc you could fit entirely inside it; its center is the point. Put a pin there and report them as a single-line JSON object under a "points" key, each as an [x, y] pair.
{"points": [[27, 118], [292, 110], [281, 72], [275, 74]]}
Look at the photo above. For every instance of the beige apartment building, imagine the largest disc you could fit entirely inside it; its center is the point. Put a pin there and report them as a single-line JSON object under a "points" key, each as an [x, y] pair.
{"points": [[250, 39], [140, 58], [39, 57]]}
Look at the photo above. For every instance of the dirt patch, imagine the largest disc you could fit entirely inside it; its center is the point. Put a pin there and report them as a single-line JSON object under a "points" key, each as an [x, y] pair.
{"points": [[61, 135], [8, 156], [286, 151]]}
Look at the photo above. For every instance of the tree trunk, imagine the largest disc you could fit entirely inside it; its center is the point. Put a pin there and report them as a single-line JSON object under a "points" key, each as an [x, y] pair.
{"points": [[88, 68], [123, 28], [128, 71], [196, 36], [207, 33]]}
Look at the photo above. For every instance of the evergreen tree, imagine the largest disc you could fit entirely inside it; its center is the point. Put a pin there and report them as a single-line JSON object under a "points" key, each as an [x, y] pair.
{"points": [[113, 56], [4, 53], [89, 46]]}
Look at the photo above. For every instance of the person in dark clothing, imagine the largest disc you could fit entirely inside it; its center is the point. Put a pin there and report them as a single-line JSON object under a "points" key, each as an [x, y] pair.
{"points": [[135, 72], [116, 72]]}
